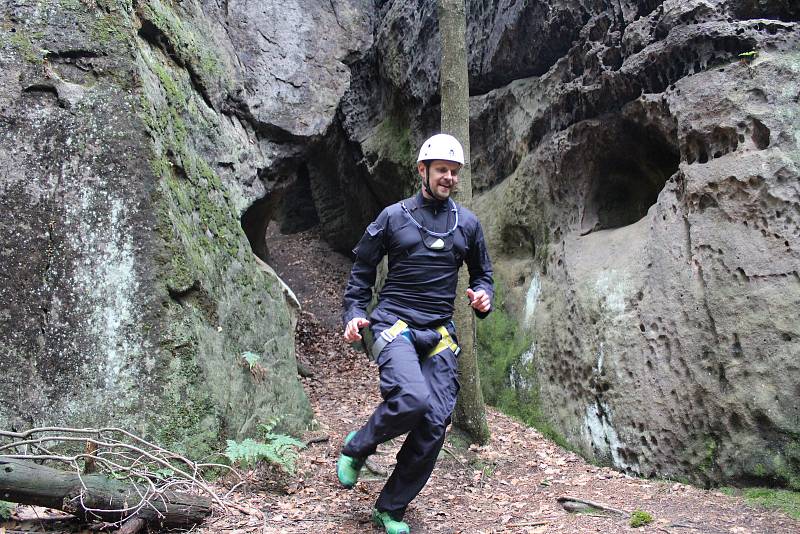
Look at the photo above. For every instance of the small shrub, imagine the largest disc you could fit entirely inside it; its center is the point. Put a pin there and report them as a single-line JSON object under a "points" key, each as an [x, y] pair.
{"points": [[640, 518]]}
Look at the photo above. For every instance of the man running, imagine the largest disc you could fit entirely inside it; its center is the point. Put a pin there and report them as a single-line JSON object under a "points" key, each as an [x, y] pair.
{"points": [[427, 238]]}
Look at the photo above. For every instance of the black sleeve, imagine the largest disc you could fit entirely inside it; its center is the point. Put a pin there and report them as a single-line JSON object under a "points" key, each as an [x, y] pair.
{"points": [[368, 254], [480, 267]]}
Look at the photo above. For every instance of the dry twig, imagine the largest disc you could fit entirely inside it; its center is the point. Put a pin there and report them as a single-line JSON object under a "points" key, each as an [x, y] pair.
{"points": [[453, 455]]}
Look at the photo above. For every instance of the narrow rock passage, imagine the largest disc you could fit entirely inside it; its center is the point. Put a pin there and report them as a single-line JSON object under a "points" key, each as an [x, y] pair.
{"points": [[511, 485]]}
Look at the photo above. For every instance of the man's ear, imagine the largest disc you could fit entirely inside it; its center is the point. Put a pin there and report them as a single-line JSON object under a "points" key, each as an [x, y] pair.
{"points": [[421, 168]]}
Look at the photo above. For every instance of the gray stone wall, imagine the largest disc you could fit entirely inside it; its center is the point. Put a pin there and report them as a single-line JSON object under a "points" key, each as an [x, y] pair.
{"points": [[135, 136], [635, 165]]}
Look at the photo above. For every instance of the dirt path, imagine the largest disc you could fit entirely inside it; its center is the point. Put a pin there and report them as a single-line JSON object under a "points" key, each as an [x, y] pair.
{"points": [[510, 485]]}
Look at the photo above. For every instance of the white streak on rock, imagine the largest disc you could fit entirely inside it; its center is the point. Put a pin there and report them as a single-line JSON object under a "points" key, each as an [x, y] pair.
{"points": [[602, 436], [600, 358], [106, 280], [532, 298], [610, 287]]}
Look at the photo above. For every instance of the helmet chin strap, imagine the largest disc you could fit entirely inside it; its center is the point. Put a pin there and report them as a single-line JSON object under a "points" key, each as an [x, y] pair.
{"points": [[427, 184]]}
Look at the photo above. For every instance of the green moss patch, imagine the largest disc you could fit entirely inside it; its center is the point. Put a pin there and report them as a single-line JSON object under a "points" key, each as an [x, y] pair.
{"points": [[507, 370], [187, 44], [221, 304], [6, 509], [777, 467], [393, 135], [23, 44], [640, 518], [785, 500]]}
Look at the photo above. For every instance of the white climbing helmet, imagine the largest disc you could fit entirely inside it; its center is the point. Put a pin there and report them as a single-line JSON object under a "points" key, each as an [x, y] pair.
{"points": [[441, 146]]}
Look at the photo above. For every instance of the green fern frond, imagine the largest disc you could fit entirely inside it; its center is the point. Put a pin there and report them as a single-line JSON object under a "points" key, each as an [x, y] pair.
{"points": [[269, 425], [279, 450], [6, 509], [251, 358]]}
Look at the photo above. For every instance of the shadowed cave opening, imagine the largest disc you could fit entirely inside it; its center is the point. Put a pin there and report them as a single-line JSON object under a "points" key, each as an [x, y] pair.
{"points": [[629, 166], [297, 211], [292, 206]]}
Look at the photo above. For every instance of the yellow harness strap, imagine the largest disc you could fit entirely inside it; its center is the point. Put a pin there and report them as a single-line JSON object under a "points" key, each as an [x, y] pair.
{"points": [[386, 337], [401, 327], [446, 343], [396, 328]]}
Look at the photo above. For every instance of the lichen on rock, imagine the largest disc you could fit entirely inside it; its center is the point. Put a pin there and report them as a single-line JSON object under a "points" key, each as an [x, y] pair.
{"points": [[129, 285]]}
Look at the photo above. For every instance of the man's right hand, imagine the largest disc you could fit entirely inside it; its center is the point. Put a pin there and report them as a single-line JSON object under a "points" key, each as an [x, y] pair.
{"points": [[351, 330]]}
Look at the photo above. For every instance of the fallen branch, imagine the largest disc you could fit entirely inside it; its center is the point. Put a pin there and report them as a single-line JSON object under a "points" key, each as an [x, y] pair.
{"points": [[147, 453], [132, 526], [105, 474], [573, 504], [316, 439], [97, 496], [246, 510], [704, 528]]}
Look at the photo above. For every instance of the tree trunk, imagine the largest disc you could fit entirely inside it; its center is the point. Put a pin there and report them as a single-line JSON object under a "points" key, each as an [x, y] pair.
{"points": [[469, 414], [25, 482]]}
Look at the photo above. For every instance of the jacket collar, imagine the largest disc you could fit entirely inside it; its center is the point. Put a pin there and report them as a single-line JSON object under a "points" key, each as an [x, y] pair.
{"points": [[433, 204]]}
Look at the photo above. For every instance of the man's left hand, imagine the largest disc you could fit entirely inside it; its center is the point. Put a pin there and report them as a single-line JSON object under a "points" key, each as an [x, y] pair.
{"points": [[479, 300]]}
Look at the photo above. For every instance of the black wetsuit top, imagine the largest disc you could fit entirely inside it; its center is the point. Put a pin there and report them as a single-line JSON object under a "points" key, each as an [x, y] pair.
{"points": [[420, 287]]}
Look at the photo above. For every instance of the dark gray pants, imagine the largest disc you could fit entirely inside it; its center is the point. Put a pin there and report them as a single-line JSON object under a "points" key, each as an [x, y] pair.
{"points": [[419, 394]]}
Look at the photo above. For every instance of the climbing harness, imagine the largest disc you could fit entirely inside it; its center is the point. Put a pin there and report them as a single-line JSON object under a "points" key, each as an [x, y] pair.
{"points": [[446, 343], [400, 328]]}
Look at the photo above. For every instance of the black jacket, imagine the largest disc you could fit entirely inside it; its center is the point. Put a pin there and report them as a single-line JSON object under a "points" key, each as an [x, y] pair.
{"points": [[420, 287]]}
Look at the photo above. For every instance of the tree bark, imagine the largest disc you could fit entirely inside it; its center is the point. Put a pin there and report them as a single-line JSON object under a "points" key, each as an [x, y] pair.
{"points": [[469, 414], [25, 482]]}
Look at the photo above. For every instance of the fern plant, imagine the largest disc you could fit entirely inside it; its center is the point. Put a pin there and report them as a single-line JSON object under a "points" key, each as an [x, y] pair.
{"points": [[277, 449], [6, 509]]}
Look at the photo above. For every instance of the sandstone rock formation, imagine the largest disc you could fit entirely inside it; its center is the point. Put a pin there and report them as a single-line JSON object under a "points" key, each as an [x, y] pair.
{"points": [[134, 137], [642, 196], [636, 168]]}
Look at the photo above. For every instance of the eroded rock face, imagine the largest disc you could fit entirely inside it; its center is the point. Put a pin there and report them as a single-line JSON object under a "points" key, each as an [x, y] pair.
{"points": [[635, 167], [292, 58], [658, 195]]}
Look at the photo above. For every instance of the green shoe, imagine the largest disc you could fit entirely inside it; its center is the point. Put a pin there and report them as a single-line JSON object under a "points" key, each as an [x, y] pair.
{"points": [[383, 519], [348, 468]]}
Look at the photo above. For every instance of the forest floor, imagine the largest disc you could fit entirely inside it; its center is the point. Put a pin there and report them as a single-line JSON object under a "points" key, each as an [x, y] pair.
{"points": [[511, 485]]}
